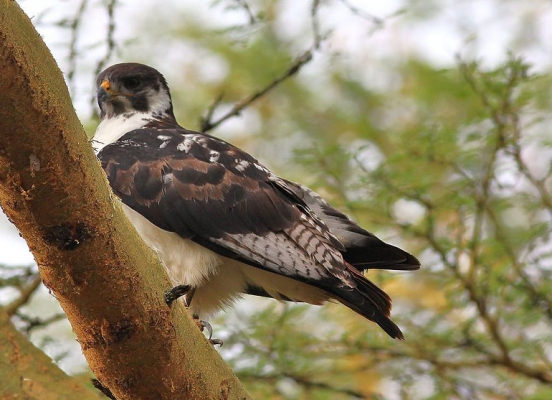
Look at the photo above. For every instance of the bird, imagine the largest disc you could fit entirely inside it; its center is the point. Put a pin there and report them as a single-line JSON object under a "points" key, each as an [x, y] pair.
{"points": [[221, 222]]}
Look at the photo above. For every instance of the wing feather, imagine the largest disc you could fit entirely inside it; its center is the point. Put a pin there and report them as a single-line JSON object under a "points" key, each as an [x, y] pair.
{"points": [[209, 191], [362, 249]]}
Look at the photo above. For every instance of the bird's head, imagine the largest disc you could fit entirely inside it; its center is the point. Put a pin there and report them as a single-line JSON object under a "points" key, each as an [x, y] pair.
{"points": [[130, 88]]}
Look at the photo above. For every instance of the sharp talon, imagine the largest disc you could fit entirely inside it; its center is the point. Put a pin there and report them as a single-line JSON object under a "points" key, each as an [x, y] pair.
{"points": [[214, 342], [206, 325], [175, 293]]}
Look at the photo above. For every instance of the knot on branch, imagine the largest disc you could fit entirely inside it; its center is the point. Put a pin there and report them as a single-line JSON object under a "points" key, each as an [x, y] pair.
{"points": [[68, 236]]}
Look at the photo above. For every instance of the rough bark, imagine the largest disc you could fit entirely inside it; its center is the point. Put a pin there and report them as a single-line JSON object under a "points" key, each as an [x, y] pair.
{"points": [[108, 282], [27, 373]]}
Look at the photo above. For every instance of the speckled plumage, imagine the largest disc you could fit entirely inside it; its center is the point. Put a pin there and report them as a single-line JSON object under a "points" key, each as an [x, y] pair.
{"points": [[223, 223]]}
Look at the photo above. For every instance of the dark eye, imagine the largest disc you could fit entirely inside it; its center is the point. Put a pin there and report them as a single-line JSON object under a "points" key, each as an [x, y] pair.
{"points": [[131, 83]]}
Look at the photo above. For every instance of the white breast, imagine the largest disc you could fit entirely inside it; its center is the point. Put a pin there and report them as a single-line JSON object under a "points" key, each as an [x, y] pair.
{"points": [[111, 129], [218, 280], [187, 262]]}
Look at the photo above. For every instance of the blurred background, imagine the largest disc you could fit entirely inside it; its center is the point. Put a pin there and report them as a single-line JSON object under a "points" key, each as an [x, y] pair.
{"points": [[429, 122]]}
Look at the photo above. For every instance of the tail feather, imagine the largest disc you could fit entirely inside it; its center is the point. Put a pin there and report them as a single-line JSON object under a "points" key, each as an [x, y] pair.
{"points": [[369, 301], [372, 253]]}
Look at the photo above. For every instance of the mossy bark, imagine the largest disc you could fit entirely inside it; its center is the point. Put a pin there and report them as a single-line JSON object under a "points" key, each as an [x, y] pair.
{"points": [[108, 282], [28, 373]]}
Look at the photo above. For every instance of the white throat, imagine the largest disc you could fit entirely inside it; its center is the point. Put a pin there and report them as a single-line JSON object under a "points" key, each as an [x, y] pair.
{"points": [[112, 129]]}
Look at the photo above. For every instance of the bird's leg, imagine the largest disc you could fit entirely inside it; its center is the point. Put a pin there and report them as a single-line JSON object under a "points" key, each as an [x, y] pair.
{"points": [[177, 292], [186, 290]]}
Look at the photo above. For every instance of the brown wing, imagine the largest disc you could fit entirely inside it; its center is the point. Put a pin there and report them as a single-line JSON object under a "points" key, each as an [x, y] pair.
{"points": [[207, 190], [363, 249]]}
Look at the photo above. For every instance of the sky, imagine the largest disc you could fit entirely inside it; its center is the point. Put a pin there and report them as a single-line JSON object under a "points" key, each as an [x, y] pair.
{"points": [[482, 29]]}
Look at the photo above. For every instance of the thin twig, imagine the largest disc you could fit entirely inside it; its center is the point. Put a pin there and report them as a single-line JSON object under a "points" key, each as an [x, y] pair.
{"points": [[211, 110], [304, 382], [207, 125], [362, 13], [33, 323], [73, 53], [25, 294], [206, 122], [110, 40], [317, 37], [243, 4], [539, 298]]}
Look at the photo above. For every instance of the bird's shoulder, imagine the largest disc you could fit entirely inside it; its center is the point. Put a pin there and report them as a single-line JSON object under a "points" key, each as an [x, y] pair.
{"points": [[161, 140], [171, 174]]}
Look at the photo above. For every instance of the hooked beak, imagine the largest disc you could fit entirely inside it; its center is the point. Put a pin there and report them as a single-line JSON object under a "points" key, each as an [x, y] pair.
{"points": [[105, 92]]}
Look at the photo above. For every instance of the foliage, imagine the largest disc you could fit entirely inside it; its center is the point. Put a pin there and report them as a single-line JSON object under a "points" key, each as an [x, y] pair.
{"points": [[451, 163], [463, 180]]}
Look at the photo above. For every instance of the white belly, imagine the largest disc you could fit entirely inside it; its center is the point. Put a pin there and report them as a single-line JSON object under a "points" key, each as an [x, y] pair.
{"points": [[218, 280], [191, 264]]}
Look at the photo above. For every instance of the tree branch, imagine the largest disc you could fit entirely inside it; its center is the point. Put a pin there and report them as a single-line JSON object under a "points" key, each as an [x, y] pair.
{"points": [[206, 124], [108, 282], [28, 373], [33, 323], [25, 294], [74, 27]]}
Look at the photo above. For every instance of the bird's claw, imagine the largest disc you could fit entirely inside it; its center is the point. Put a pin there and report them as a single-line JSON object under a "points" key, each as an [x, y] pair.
{"points": [[206, 325], [215, 342], [175, 293], [186, 290]]}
